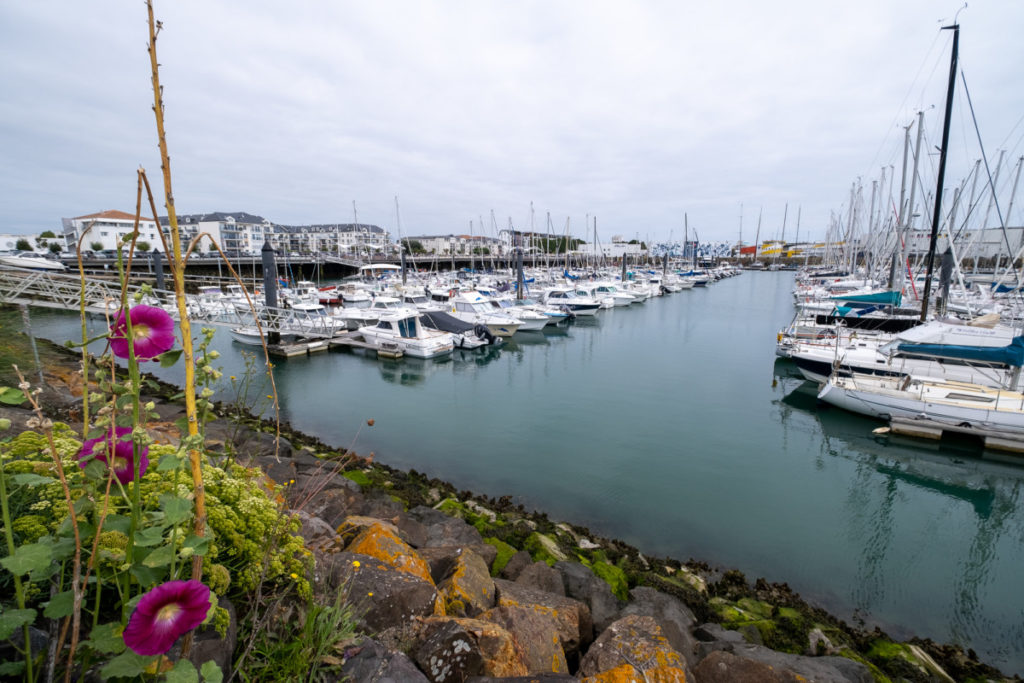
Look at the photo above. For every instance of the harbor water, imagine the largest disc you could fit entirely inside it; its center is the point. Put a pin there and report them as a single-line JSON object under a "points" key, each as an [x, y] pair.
{"points": [[670, 425]]}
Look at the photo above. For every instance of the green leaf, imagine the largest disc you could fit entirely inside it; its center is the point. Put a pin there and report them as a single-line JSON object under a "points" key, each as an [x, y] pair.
{"points": [[151, 384], [170, 462], [199, 544], [149, 536], [126, 665], [161, 557], [60, 605], [176, 509], [211, 672], [117, 523], [106, 639], [11, 396], [183, 672], [15, 618], [96, 470], [30, 479], [28, 558], [124, 401], [146, 576], [169, 358], [12, 669]]}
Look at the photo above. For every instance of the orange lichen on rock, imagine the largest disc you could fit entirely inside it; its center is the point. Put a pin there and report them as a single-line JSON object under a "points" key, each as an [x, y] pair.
{"points": [[381, 542], [625, 673]]}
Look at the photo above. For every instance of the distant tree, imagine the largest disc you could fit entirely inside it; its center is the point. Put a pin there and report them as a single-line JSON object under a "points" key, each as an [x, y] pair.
{"points": [[142, 246], [415, 246], [96, 246], [47, 234], [481, 250], [55, 247], [23, 245]]}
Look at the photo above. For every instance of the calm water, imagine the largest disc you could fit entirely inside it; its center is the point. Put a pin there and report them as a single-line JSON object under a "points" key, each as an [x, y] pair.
{"points": [[670, 425]]}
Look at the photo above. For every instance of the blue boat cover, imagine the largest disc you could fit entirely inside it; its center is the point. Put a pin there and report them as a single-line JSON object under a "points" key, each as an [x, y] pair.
{"points": [[570, 276], [892, 298], [1007, 355]]}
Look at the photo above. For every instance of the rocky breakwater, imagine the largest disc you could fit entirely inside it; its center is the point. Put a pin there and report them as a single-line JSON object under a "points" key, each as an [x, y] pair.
{"points": [[452, 587]]}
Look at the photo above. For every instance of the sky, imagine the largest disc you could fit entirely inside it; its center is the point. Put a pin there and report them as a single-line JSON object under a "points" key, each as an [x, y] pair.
{"points": [[645, 117]]}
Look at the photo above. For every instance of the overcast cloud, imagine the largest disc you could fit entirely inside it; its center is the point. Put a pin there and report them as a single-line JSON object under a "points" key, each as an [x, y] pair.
{"points": [[633, 112]]}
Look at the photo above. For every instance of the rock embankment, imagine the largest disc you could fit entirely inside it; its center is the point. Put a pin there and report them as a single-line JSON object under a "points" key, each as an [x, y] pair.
{"points": [[457, 588]]}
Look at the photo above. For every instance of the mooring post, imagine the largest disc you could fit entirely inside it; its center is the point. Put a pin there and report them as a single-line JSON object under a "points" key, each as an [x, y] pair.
{"points": [[158, 268], [269, 286], [520, 280], [403, 268]]}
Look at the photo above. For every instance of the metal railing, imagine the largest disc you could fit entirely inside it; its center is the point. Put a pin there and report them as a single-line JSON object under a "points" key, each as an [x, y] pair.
{"points": [[61, 291]]}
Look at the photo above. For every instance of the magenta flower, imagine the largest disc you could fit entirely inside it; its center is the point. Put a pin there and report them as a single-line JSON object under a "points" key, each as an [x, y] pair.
{"points": [[152, 332], [164, 614], [118, 454]]}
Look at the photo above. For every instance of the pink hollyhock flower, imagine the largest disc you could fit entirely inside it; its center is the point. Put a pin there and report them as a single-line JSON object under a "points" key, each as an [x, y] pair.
{"points": [[152, 332], [116, 453], [164, 614]]}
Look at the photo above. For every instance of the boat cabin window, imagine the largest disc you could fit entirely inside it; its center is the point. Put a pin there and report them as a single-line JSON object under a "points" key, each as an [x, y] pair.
{"points": [[464, 307], [384, 325], [407, 327]]}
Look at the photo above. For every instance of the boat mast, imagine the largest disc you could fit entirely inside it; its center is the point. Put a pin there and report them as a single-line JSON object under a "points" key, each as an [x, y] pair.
{"points": [[937, 213]]}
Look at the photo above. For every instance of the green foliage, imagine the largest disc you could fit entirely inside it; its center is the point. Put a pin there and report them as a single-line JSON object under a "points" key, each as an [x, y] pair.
{"points": [[23, 245], [614, 577], [303, 651], [358, 476], [142, 246], [96, 246], [243, 519], [47, 234], [505, 553], [11, 396], [55, 247]]}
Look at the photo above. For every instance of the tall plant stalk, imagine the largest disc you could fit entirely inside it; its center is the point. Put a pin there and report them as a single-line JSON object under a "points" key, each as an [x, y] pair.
{"points": [[178, 274]]}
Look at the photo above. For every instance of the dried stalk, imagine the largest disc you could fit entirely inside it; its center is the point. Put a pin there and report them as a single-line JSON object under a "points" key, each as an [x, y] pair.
{"points": [[177, 272], [76, 566]]}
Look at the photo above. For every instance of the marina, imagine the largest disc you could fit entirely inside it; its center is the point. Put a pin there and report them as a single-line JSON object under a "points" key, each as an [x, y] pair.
{"points": [[674, 426]]}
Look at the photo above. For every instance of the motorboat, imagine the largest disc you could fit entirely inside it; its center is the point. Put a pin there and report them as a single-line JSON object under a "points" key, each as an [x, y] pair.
{"points": [[472, 307], [30, 261], [406, 332], [531, 320], [567, 299], [250, 335]]}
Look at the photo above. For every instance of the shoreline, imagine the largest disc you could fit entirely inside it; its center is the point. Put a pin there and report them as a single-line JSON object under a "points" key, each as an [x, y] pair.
{"points": [[708, 591]]}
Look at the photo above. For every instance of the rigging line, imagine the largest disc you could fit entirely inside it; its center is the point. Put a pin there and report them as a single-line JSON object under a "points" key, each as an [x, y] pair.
{"points": [[988, 171], [906, 97]]}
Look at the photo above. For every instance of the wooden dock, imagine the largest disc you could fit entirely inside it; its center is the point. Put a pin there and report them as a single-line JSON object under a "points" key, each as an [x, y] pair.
{"points": [[924, 428], [354, 340], [302, 348]]}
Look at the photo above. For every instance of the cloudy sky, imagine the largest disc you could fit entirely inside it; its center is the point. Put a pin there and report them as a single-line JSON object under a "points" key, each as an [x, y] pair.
{"points": [[636, 113]]}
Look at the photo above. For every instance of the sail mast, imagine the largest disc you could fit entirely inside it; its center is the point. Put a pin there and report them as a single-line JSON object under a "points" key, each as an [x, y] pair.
{"points": [[937, 213]]}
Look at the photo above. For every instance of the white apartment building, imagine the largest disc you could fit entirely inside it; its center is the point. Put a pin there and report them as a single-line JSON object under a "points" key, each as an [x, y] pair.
{"points": [[106, 229], [335, 239], [460, 245], [237, 234]]}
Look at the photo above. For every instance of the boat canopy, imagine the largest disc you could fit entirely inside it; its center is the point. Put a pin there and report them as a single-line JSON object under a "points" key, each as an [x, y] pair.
{"points": [[380, 266], [890, 298], [1013, 354], [964, 342]]}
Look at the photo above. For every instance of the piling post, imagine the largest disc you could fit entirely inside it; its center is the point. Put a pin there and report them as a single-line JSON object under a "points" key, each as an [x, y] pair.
{"points": [[403, 268], [270, 285], [520, 281], [158, 267]]}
